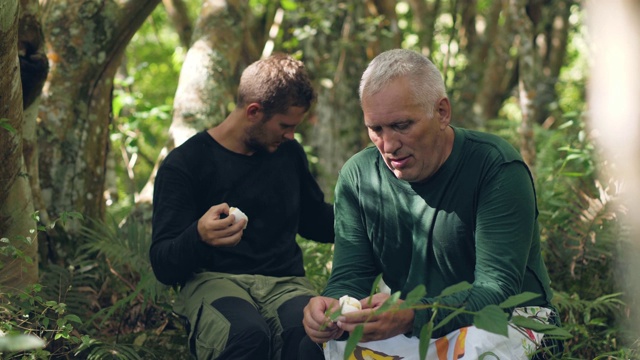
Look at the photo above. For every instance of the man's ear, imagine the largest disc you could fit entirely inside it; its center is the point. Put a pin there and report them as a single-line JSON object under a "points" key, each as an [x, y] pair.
{"points": [[254, 112], [443, 109]]}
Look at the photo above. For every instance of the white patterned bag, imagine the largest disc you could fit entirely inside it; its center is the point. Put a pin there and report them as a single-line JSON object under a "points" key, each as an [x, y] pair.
{"points": [[465, 343]]}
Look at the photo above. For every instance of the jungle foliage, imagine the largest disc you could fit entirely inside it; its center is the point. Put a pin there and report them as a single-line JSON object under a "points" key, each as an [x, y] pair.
{"points": [[97, 298]]}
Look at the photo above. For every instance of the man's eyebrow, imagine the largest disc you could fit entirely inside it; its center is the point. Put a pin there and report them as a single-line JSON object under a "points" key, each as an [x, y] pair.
{"points": [[392, 123]]}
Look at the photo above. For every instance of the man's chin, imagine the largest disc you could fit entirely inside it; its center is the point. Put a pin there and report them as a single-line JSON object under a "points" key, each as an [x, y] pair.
{"points": [[404, 175], [268, 148], [272, 148]]}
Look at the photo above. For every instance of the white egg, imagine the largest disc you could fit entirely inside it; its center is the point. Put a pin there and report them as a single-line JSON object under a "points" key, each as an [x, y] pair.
{"points": [[349, 304], [238, 215]]}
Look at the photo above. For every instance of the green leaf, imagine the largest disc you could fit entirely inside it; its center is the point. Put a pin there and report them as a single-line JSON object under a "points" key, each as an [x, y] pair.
{"points": [[449, 317], [334, 315], [4, 123], [288, 5], [390, 302], [537, 326], [414, 296], [117, 104], [530, 323], [462, 286], [73, 318], [558, 333], [374, 287], [353, 340], [516, 300], [70, 215], [493, 319], [425, 339]]}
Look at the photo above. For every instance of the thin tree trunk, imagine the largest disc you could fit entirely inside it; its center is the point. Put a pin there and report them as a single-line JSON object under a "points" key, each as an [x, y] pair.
{"points": [[476, 85], [467, 80], [451, 37], [529, 65], [389, 32], [498, 77], [467, 39], [558, 37], [337, 130], [424, 18], [34, 68], [86, 42], [179, 16], [553, 35], [16, 203]]}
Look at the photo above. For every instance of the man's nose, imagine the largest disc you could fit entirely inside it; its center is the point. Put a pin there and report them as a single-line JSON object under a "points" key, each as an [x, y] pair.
{"points": [[390, 142]]}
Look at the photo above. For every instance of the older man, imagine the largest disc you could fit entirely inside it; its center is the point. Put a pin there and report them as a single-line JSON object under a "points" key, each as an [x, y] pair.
{"points": [[431, 204]]}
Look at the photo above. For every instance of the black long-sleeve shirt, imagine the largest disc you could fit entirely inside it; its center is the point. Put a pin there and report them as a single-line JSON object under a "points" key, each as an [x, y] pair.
{"points": [[275, 190]]}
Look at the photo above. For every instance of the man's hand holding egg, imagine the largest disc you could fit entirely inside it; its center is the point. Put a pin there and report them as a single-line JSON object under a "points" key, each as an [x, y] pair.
{"points": [[214, 227], [349, 304], [238, 215]]}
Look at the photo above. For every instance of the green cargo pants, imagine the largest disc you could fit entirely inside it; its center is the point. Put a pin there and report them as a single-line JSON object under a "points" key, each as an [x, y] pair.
{"points": [[209, 328]]}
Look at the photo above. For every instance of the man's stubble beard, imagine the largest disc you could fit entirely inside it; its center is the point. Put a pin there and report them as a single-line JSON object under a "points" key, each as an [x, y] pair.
{"points": [[254, 136]]}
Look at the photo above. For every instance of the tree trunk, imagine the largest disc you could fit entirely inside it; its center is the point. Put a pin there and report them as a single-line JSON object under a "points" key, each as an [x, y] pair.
{"points": [[336, 130], [34, 68], [179, 16], [551, 43], [424, 19], [499, 75], [209, 74], [210, 71], [467, 36], [528, 70], [613, 97], [558, 37], [389, 35], [16, 203], [86, 41], [484, 81]]}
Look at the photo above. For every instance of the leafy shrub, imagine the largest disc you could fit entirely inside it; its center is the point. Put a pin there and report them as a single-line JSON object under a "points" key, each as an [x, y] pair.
{"points": [[582, 233], [32, 324]]}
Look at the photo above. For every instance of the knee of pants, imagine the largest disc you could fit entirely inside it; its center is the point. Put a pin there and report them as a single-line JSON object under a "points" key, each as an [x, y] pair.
{"points": [[309, 350], [291, 313], [229, 327], [250, 334]]}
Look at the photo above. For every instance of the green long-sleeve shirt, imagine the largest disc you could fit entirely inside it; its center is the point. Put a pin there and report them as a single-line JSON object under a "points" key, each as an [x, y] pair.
{"points": [[474, 220]]}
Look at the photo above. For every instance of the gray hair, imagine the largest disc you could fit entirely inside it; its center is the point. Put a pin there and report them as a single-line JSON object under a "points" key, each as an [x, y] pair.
{"points": [[424, 77]]}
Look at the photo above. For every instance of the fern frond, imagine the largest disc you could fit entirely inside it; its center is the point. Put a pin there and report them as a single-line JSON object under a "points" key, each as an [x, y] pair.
{"points": [[101, 351]]}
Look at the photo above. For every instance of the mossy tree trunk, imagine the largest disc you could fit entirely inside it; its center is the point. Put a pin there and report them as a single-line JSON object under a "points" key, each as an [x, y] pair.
{"points": [[16, 202], [85, 43]]}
